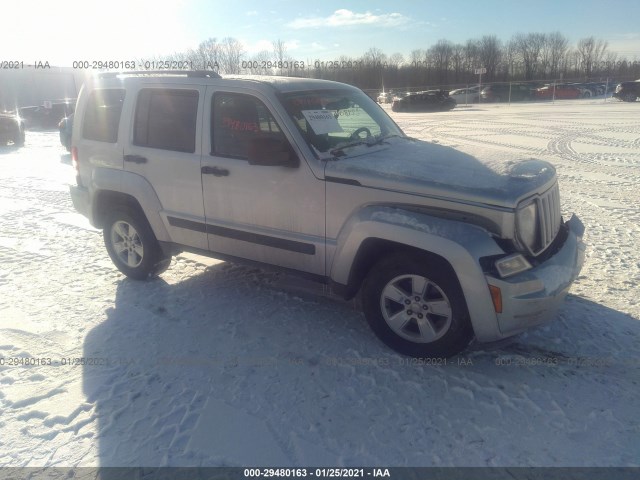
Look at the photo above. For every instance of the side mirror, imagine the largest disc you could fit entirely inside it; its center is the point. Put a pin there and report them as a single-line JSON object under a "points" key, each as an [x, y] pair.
{"points": [[271, 152]]}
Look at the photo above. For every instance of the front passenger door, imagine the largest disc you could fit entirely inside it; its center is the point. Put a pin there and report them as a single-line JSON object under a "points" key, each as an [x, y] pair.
{"points": [[272, 214]]}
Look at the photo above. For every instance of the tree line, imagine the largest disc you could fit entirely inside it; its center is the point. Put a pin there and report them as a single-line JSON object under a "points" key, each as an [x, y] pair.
{"points": [[532, 56]]}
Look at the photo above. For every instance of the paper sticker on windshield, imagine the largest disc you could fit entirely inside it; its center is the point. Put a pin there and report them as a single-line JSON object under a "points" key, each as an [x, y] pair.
{"points": [[322, 121]]}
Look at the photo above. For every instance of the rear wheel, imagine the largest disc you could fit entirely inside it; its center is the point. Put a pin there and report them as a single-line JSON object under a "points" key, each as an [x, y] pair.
{"points": [[132, 246], [415, 305], [629, 97]]}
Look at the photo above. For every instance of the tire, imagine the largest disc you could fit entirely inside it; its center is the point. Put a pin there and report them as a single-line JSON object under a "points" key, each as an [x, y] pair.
{"points": [[629, 97], [132, 246], [427, 316]]}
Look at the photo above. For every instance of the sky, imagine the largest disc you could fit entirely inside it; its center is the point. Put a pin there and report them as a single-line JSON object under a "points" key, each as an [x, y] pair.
{"points": [[83, 30]]}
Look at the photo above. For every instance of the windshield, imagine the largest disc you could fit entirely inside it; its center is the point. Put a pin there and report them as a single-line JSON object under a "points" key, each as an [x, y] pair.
{"points": [[332, 121]]}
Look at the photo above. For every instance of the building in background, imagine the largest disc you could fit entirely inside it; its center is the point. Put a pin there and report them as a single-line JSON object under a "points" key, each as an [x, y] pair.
{"points": [[37, 87]]}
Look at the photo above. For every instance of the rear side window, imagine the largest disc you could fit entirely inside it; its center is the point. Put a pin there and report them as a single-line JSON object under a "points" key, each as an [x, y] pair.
{"points": [[102, 115], [166, 119]]}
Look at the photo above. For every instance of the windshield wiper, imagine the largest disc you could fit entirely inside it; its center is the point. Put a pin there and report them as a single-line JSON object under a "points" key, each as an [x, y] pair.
{"points": [[382, 139], [338, 151]]}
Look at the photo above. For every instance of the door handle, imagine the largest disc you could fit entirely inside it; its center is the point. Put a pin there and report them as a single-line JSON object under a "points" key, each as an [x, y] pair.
{"points": [[218, 172], [135, 159]]}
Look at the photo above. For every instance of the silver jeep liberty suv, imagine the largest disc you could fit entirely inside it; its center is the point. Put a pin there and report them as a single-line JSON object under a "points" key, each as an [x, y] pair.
{"points": [[313, 177]]}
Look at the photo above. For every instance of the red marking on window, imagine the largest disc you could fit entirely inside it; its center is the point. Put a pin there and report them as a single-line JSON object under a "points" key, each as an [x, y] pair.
{"points": [[239, 125]]}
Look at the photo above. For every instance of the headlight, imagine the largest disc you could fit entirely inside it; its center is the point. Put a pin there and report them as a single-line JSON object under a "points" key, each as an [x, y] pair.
{"points": [[527, 226], [511, 265]]}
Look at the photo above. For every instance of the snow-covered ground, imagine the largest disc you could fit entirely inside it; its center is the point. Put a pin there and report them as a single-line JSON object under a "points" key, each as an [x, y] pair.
{"points": [[216, 364]]}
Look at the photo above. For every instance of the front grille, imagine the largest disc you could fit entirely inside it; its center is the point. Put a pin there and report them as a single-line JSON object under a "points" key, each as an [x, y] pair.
{"points": [[549, 217]]}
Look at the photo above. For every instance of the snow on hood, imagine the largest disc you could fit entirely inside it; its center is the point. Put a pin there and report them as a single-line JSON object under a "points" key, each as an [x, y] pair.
{"points": [[417, 166]]}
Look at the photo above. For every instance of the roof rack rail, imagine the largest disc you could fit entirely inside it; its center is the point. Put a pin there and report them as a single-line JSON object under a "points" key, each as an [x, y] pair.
{"points": [[188, 73]]}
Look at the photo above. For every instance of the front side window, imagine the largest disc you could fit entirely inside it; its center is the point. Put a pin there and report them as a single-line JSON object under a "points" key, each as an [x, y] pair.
{"points": [[238, 119], [166, 119], [102, 115]]}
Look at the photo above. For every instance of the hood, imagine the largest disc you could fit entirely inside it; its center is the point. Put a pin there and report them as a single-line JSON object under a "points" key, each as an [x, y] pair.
{"points": [[426, 168]]}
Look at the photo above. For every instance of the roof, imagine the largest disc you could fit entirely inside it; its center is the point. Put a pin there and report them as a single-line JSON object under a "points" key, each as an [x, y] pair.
{"points": [[198, 77]]}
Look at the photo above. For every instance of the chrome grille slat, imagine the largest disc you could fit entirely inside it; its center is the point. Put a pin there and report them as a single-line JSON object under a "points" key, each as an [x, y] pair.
{"points": [[549, 217]]}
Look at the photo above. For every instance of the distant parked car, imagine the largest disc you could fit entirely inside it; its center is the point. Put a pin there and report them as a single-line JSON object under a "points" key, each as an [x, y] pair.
{"points": [[561, 91], [466, 95], [66, 126], [428, 101], [47, 117], [628, 91], [503, 92], [11, 129], [385, 97], [591, 89]]}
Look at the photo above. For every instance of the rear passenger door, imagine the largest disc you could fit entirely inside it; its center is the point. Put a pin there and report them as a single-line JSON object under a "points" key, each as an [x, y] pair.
{"points": [[271, 214], [165, 149]]}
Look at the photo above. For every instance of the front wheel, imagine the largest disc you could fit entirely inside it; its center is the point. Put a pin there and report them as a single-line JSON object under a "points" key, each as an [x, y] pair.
{"points": [[132, 246], [415, 305]]}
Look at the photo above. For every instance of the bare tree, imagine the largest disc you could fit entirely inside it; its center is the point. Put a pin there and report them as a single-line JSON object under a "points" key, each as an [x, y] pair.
{"points": [[556, 45], [206, 56], [472, 55], [457, 61], [528, 49], [280, 56], [256, 65], [417, 56], [441, 54], [396, 60], [510, 60], [231, 55], [590, 52], [489, 54], [279, 50], [374, 57]]}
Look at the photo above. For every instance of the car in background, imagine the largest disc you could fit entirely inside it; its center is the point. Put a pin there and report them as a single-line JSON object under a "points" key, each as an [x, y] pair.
{"points": [[48, 116], [591, 89], [11, 129], [628, 91], [559, 92], [66, 127], [505, 92], [385, 97], [427, 101], [466, 95]]}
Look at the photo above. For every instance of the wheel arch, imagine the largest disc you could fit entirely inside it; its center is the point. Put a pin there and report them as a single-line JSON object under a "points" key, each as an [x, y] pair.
{"points": [[117, 187], [379, 231], [373, 249], [106, 200]]}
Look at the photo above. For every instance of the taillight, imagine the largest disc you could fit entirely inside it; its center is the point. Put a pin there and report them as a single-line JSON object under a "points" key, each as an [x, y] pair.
{"points": [[74, 159]]}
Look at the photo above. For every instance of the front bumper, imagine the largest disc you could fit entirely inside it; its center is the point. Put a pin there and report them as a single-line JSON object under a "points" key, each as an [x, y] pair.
{"points": [[533, 297]]}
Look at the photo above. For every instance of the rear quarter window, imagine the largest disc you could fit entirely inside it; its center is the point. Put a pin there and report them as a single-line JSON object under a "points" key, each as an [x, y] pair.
{"points": [[102, 115]]}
